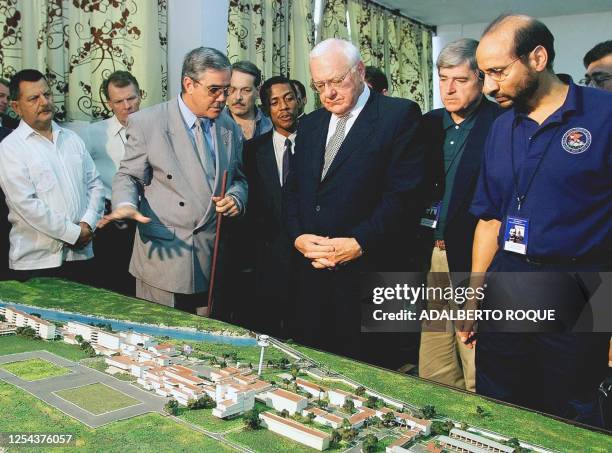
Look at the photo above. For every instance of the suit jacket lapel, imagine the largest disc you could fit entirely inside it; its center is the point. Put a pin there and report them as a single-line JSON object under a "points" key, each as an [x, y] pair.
{"points": [[223, 149], [318, 145], [470, 160], [358, 135], [186, 156], [268, 169]]}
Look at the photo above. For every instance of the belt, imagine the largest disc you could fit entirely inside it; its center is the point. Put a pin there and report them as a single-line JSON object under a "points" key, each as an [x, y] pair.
{"points": [[439, 243], [591, 258]]}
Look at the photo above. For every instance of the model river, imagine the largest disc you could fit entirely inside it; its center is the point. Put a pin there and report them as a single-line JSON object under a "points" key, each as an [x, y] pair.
{"points": [[179, 334]]}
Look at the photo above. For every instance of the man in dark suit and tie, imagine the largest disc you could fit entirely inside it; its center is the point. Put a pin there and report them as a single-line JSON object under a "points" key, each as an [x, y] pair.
{"points": [[455, 137], [352, 192], [269, 251]]}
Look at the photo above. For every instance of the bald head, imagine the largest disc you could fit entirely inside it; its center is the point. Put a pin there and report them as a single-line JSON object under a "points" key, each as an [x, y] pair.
{"points": [[520, 34], [337, 74]]}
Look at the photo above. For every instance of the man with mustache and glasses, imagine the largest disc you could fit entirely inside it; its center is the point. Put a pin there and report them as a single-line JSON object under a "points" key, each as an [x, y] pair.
{"points": [[545, 174], [246, 78], [53, 191], [169, 181]]}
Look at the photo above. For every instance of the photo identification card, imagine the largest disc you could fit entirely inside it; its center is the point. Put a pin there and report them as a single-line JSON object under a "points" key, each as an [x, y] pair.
{"points": [[516, 235], [431, 216]]}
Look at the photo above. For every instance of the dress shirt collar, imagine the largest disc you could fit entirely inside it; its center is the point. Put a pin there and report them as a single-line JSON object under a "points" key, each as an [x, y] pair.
{"points": [[189, 117], [279, 140], [115, 126], [24, 131]]}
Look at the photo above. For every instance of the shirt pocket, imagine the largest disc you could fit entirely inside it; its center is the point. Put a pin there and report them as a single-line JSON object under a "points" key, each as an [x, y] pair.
{"points": [[42, 177]]}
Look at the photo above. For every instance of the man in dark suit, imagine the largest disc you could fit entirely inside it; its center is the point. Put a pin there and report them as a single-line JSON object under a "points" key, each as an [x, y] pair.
{"points": [[5, 226], [353, 189], [269, 251], [455, 137]]}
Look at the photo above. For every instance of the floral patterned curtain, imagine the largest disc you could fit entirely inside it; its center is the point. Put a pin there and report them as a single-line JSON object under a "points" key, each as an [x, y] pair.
{"points": [[401, 48], [276, 35], [78, 43]]}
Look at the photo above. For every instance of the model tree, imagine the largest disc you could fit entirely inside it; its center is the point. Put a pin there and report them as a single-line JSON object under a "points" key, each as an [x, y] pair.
{"points": [[172, 407], [26, 332], [349, 406], [204, 402], [335, 437], [360, 391], [251, 419], [310, 417], [388, 419], [429, 411], [371, 402], [284, 413], [369, 444]]}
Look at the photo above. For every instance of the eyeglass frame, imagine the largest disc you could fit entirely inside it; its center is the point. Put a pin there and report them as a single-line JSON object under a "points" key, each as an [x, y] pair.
{"points": [[501, 74], [335, 83], [597, 81], [214, 90]]}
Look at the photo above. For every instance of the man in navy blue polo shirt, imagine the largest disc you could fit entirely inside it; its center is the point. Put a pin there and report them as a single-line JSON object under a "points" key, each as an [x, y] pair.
{"points": [[543, 200]]}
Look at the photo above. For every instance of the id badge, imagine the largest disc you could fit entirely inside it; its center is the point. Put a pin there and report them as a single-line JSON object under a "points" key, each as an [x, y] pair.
{"points": [[432, 215], [516, 235]]}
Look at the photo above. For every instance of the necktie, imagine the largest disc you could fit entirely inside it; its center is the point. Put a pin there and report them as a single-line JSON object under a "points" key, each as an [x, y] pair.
{"points": [[207, 159], [334, 144], [286, 155]]}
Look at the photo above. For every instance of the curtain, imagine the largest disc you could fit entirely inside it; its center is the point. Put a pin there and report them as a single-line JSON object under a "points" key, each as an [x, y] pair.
{"points": [[401, 48], [78, 43], [276, 35]]}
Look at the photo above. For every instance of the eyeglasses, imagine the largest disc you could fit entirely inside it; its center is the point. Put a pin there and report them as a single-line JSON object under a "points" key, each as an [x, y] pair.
{"points": [[501, 74], [333, 83], [596, 80], [214, 91]]}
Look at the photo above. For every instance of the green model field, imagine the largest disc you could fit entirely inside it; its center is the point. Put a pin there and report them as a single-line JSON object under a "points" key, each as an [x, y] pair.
{"points": [[49, 293], [34, 369], [97, 398]]}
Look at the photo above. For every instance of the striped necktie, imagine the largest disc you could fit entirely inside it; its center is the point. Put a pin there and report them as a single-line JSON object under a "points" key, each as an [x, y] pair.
{"points": [[334, 144]]}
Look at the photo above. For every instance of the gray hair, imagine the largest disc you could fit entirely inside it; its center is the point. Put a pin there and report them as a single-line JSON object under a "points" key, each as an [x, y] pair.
{"points": [[199, 60], [458, 52], [346, 47]]}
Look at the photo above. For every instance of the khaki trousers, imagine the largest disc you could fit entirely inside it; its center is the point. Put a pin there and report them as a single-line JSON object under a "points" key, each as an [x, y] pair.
{"points": [[442, 356]]}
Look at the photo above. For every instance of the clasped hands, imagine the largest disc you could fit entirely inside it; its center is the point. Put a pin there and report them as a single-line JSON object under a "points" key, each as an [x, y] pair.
{"points": [[324, 252]]}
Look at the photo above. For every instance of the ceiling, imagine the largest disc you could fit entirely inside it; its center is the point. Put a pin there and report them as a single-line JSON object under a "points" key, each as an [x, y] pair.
{"points": [[441, 12]]}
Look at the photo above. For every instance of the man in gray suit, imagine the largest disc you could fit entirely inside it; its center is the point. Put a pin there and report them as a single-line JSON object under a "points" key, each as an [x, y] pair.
{"points": [[175, 156]]}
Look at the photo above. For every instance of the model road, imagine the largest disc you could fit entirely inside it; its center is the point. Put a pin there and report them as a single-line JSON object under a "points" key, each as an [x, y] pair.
{"points": [[79, 376]]}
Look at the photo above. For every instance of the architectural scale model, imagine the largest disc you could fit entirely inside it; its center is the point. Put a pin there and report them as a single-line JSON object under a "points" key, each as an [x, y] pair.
{"points": [[247, 394]]}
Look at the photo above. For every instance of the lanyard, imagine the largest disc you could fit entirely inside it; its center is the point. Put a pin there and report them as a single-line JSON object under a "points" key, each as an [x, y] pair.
{"points": [[521, 198]]}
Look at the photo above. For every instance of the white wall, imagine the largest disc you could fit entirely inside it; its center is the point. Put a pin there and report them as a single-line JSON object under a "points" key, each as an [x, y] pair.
{"points": [[191, 24], [574, 36]]}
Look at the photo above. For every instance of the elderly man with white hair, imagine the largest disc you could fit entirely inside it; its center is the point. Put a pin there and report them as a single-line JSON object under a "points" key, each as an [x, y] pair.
{"points": [[352, 196]]}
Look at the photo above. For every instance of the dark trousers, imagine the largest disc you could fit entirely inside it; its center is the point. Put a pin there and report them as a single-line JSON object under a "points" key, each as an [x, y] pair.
{"points": [[554, 370], [76, 271], [326, 314], [113, 246]]}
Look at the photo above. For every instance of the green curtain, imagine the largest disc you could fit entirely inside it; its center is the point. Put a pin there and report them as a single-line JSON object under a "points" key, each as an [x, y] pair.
{"points": [[401, 48], [78, 43], [276, 35]]}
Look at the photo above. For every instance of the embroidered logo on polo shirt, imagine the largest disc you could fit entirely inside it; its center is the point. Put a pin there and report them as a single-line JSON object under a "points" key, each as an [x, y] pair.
{"points": [[576, 140]]}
